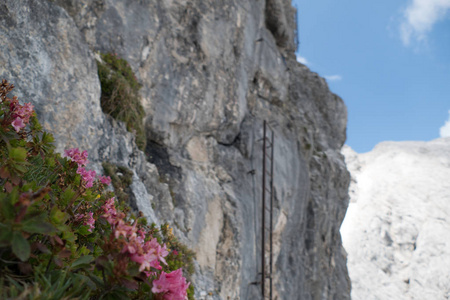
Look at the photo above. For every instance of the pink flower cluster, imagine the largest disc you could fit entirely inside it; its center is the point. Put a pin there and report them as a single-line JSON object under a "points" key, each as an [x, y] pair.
{"points": [[88, 219], [173, 285], [88, 176], [147, 254], [110, 212], [81, 159], [20, 114]]}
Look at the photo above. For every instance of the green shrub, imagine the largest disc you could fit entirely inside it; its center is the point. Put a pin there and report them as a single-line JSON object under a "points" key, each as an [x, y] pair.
{"points": [[63, 235], [120, 94]]}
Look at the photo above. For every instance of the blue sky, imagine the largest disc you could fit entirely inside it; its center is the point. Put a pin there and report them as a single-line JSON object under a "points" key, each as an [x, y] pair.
{"points": [[388, 60]]}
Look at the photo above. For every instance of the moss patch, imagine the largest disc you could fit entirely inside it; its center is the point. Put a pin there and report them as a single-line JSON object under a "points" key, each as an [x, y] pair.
{"points": [[120, 94]]}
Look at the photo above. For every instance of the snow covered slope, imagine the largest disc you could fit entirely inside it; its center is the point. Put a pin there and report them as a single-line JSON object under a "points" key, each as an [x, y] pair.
{"points": [[397, 227]]}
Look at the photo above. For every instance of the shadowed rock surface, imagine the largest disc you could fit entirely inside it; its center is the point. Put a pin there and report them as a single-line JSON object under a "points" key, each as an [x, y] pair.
{"points": [[211, 71]]}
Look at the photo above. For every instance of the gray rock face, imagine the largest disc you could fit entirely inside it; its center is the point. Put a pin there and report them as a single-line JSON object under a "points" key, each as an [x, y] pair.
{"points": [[211, 71]]}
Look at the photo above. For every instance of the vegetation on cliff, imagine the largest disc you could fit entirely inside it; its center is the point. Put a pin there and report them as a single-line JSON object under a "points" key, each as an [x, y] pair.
{"points": [[120, 94], [63, 235]]}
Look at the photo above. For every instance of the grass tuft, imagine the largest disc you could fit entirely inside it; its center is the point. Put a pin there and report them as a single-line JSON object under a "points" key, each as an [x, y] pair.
{"points": [[120, 94]]}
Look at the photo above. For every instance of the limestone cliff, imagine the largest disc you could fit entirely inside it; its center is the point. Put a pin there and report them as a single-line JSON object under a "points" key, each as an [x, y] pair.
{"points": [[396, 230], [211, 71]]}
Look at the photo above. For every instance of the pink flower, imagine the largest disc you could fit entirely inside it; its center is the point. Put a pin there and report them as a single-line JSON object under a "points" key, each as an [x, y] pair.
{"points": [[24, 111], [90, 221], [173, 285], [109, 204], [87, 219], [149, 254], [141, 235], [79, 217], [87, 176], [29, 108], [147, 257], [148, 274], [175, 252], [162, 252], [75, 155], [130, 248], [21, 114], [18, 124], [110, 211], [105, 180], [122, 229]]}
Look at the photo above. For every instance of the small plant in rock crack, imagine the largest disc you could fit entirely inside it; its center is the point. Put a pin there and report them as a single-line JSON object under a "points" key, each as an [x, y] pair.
{"points": [[120, 94], [62, 235]]}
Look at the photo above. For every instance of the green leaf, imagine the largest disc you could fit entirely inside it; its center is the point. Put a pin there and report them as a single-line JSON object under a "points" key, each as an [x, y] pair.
{"points": [[67, 196], [97, 280], [38, 225], [35, 125], [84, 251], [85, 279], [18, 154], [63, 227], [116, 295], [77, 180], [83, 230], [8, 136], [28, 186], [69, 236], [5, 235], [50, 161], [57, 216], [7, 210], [20, 246], [47, 138], [82, 260], [20, 168]]}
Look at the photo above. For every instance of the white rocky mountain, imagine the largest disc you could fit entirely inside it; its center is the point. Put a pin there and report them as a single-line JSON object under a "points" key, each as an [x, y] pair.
{"points": [[397, 228]]}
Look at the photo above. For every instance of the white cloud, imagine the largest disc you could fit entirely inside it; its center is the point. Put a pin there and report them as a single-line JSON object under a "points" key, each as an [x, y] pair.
{"points": [[445, 130], [419, 18], [333, 77], [302, 60]]}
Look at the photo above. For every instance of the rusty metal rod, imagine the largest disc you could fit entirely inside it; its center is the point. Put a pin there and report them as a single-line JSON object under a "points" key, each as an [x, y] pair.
{"points": [[268, 143], [263, 240], [271, 213]]}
